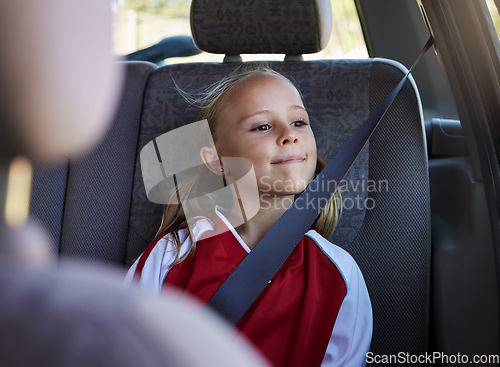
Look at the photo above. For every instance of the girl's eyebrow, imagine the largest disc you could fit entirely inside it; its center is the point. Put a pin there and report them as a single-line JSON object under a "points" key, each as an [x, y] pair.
{"points": [[252, 114], [267, 111]]}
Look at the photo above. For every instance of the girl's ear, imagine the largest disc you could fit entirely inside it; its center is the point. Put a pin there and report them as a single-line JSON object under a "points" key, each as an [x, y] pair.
{"points": [[211, 160]]}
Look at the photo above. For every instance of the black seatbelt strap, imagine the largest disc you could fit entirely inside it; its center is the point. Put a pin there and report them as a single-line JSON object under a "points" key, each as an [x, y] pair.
{"points": [[252, 275]]}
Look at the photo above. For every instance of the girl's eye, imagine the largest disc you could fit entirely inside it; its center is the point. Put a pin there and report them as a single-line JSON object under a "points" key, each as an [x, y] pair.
{"points": [[262, 127], [299, 123]]}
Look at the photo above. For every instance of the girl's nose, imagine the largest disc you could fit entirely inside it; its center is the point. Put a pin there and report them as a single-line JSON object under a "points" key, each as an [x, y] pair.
{"points": [[287, 136]]}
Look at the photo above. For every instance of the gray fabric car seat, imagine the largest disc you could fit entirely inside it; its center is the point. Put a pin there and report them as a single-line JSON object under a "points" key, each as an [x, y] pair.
{"points": [[385, 224], [85, 202]]}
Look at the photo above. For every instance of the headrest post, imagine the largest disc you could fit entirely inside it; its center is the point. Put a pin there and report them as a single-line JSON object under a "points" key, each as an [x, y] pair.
{"points": [[294, 58], [232, 58], [18, 192]]}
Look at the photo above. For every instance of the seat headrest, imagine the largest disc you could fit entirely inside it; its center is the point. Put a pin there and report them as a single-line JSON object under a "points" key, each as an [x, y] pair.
{"points": [[291, 27], [58, 84]]}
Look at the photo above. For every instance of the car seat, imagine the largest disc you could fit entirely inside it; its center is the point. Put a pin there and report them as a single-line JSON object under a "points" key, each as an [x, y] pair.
{"points": [[389, 234], [85, 202], [386, 219]]}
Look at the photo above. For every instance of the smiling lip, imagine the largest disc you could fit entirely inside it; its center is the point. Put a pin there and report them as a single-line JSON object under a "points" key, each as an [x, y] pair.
{"points": [[290, 159]]}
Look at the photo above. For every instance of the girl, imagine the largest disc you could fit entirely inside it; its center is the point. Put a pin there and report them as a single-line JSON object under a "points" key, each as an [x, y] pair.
{"points": [[316, 309]]}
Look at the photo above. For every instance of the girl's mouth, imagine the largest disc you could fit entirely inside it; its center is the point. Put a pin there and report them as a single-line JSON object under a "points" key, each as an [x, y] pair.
{"points": [[289, 160]]}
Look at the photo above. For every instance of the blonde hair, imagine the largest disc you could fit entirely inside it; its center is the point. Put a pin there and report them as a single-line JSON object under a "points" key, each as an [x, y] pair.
{"points": [[210, 102]]}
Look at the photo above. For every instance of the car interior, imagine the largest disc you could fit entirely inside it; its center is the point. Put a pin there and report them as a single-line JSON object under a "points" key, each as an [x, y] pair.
{"points": [[421, 201]]}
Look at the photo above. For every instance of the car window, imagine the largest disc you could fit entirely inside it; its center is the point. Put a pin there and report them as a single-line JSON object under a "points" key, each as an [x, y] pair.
{"points": [[142, 23], [494, 12]]}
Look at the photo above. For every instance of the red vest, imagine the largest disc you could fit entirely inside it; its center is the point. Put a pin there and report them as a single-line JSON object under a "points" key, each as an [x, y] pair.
{"points": [[292, 320]]}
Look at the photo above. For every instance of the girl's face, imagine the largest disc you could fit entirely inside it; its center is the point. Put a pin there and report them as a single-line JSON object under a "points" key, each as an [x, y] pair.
{"points": [[264, 120]]}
